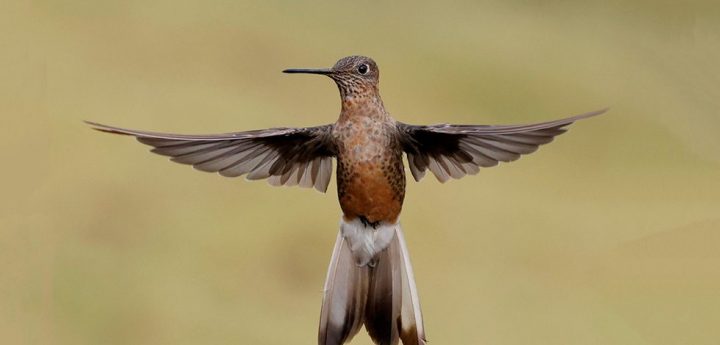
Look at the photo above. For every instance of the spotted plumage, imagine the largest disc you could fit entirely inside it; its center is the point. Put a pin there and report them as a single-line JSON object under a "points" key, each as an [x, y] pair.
{"points": [[370, 280]]}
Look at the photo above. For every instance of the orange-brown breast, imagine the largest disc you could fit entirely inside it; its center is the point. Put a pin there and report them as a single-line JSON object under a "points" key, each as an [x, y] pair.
{"points": [[371, 178], [368, 193]]}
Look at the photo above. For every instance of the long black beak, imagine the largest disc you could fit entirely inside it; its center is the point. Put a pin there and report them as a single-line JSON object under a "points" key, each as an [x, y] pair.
{"points": [[324, 71]]}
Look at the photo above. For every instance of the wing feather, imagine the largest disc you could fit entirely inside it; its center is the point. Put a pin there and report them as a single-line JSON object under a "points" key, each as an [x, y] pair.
{"points": [[286, 156], [453, 151]]}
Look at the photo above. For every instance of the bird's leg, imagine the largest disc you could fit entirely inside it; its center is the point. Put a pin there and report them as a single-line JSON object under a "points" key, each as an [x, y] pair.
{"points": [[367, 223]]}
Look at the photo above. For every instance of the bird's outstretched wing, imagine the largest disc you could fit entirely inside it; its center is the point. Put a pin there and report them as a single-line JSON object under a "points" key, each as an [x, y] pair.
{"points": [[286, 156], [457, 150]]}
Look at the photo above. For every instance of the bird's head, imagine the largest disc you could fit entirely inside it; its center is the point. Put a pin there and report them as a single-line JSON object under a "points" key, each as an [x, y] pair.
{"points": [[355, 76]]}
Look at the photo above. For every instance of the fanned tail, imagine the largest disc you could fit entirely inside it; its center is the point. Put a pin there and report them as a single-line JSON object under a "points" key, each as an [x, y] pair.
{"points": [[370, 280]]}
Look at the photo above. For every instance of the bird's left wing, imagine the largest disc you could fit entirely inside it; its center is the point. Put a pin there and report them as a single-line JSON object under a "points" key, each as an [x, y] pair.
{"points": [[457, 150], [286, 156]]}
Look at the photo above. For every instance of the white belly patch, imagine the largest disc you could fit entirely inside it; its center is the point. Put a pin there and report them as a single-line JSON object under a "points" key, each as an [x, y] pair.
{"points": [[366, 242]]}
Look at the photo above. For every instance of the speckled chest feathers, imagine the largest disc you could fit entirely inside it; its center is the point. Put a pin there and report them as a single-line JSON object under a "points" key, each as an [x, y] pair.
{"points": [[370, 173]]}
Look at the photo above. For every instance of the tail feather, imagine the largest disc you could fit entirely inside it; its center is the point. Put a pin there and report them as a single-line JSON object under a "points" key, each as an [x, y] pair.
{"points": [[384, 297], [344, 297], [377, 290], [412, 330]]}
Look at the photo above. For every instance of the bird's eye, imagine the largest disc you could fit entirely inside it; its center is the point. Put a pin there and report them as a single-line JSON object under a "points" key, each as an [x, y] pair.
{"points": [[363, 69]]}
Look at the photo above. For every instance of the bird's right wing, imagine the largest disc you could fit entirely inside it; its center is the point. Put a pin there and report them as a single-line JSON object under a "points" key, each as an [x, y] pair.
{"points": [[457, 150], [286, 156]]}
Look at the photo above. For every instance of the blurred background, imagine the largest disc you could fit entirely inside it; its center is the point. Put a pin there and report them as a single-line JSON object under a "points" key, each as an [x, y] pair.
{"points": [[609, 235]]}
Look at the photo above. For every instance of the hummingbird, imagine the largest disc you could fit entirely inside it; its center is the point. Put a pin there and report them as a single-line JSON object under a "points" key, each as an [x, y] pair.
{"points": [[370, 280]]}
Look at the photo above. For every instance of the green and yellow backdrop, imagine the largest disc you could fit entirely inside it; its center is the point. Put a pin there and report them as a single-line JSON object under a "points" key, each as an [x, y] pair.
{"points": [[609, 235]]}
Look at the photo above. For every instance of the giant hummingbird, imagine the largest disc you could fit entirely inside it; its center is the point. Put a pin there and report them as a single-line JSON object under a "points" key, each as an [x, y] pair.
{"points": [[370, 279]]}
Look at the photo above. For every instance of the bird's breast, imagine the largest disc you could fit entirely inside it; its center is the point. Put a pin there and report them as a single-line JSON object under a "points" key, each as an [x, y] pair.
{"points": [[371, 178]]}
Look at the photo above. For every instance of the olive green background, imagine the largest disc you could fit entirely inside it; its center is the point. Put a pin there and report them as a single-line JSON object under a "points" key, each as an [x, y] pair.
{"points": [[609, 235]]}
